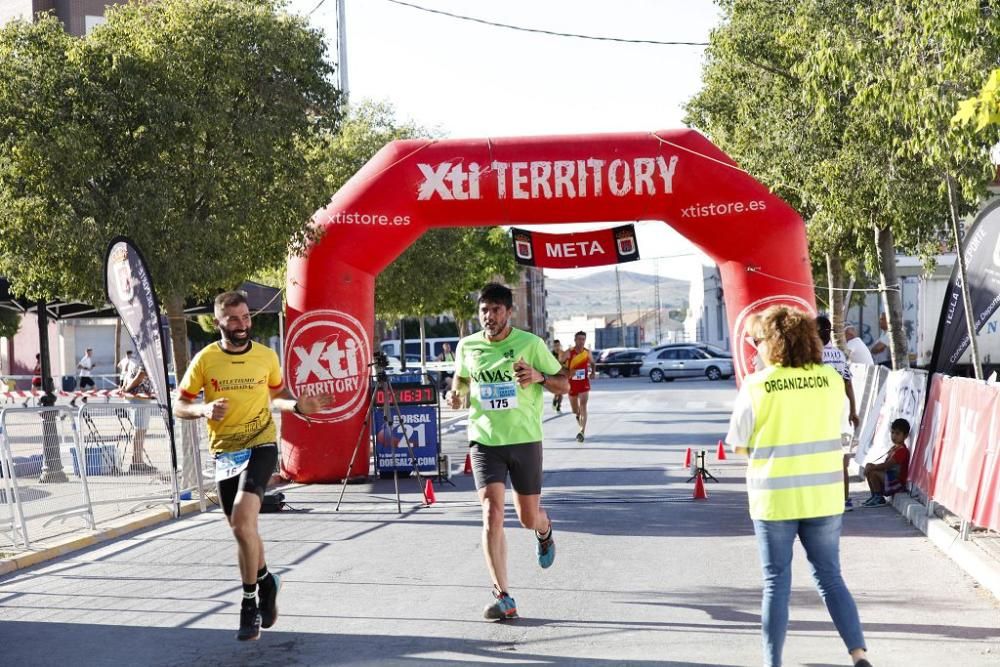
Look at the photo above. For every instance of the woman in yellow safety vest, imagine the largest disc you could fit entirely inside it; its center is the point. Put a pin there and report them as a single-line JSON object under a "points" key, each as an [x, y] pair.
{"points": [[786, 418]]}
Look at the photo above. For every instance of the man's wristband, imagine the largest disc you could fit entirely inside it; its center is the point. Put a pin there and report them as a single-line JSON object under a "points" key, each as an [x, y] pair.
{"points": [[545, 378], [295, 408]]}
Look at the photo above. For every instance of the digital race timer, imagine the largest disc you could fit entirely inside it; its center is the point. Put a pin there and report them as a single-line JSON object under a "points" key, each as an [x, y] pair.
{"points": [[410, 393]]}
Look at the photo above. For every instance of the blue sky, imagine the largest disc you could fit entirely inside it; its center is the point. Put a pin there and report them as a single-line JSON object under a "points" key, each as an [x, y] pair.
{"points": [[472, 80]]}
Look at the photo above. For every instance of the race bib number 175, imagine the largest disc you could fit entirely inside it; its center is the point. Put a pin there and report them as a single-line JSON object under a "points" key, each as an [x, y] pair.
{"points": [[498, 396]]}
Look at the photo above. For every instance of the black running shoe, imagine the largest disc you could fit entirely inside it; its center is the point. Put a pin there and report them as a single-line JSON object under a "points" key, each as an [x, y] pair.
{"points": [[249, 624], [267, 591]]}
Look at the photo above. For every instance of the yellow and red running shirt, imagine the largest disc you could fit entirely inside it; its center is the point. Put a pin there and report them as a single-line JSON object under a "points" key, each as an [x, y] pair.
{"points": [[245, 378]]}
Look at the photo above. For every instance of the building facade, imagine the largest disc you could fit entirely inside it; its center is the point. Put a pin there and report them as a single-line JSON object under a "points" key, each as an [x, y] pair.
{"points": [[529, 302], [78, 16]]}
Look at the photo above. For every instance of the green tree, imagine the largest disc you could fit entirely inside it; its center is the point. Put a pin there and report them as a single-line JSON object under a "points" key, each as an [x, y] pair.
{"points": [[829, 103], [186, 125]]}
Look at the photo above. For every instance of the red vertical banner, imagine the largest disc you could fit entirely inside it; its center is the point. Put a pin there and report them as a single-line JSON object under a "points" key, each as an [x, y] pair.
{"points": [[987, 510], [926, 452], [966, 436]]}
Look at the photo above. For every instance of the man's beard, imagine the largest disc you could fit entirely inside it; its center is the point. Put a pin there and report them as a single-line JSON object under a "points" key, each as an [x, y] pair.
{"points": [[236, 338]]}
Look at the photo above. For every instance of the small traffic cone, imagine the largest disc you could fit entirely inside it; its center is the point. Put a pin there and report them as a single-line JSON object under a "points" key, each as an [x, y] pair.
{"points": [[720, 453], [687, 458], [429, 498], [699, 488], [468, 464]]}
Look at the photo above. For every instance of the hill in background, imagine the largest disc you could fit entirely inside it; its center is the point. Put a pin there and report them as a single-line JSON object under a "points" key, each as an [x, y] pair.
{"points": [[595, 295]]}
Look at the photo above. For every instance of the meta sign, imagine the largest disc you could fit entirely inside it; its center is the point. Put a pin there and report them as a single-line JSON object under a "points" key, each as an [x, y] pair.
{"points": [[569, 251]]}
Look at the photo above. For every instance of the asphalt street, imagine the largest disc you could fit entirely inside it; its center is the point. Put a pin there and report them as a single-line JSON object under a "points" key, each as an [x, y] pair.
{"points": [[644, 575]]}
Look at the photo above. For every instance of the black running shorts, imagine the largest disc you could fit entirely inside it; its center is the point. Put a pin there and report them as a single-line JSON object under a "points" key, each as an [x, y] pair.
{"points": [[491, 463], [254, 478]]}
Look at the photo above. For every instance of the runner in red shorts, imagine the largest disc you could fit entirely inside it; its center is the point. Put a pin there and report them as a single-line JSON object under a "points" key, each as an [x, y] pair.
{"points": [[581, 369]]}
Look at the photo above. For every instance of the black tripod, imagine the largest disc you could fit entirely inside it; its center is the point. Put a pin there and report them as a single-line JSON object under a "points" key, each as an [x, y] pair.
{"points": [[382, 384], [700, 469]]}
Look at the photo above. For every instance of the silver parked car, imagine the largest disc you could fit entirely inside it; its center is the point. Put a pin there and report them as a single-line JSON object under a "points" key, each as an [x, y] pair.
{"points": [[683, 362]]}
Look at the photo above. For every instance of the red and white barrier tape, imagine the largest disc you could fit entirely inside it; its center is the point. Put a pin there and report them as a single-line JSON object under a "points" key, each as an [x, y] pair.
{"points": [[92, 393]]}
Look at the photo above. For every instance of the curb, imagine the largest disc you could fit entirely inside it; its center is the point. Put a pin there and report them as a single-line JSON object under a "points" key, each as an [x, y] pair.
{"points": [[946, 538], [105, 534]]}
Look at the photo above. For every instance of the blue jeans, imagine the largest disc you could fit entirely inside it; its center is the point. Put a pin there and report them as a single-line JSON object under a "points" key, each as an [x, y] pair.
{"points": [[821, 539]]}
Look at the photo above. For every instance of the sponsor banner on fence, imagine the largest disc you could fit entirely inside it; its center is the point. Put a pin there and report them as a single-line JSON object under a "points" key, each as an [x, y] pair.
{"points": [[868, 382], [987, 509], [569, 251], [903, 399], [966, 439], [925, 448]]}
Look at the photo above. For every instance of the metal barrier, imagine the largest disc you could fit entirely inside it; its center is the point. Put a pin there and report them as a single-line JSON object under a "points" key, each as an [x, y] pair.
{"points": [[129, 463], [45, 483], [71, 469]]}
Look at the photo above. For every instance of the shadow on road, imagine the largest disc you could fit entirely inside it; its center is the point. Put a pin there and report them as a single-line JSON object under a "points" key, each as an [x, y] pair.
{"points": [[86, 645]]}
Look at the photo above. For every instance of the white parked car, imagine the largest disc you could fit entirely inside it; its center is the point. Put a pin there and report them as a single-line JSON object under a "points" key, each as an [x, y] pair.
{"points": [[685, 361]]}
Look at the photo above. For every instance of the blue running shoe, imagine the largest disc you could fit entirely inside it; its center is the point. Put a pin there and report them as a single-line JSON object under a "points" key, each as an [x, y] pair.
{"points": [[502, 608], [546, 549]]}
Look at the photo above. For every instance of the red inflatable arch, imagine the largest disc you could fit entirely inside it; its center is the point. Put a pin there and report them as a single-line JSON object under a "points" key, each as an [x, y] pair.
{"points": [[677, 177]]}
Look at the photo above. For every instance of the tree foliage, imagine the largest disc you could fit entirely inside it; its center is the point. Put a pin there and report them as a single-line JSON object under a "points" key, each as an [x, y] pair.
{"points": [[843, 108], [186, 125]]}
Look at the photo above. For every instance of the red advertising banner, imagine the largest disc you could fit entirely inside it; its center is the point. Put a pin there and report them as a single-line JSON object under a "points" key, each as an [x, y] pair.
{"points": [[987, 510], [571, 251], [966, 434], [926, 451]]}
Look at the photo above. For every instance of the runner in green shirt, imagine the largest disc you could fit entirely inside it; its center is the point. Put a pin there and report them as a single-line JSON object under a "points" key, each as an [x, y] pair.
{"points": [[503, 370]]}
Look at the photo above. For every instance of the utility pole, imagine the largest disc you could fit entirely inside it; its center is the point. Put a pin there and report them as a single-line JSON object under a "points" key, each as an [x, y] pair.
{"points": [[621, 314], [342, 48], [656, 292]]}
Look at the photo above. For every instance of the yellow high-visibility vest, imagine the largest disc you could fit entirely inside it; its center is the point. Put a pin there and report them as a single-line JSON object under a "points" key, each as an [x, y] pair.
{"points": [[796, 462]]}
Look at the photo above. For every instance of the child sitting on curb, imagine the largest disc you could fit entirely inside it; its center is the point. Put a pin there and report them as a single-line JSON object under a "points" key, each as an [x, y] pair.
{"points": [[889, 477]]}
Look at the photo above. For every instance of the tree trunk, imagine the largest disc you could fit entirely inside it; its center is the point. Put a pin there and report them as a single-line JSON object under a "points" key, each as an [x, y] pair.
{"points": [[892, 297], [178, 334], [835, 273], [179, 347]]}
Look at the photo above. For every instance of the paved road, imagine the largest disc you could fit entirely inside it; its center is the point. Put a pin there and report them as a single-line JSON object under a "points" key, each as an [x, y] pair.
{"points": [[644, 575]]}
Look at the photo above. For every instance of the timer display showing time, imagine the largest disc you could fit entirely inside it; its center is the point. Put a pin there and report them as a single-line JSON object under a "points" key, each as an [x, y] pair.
{"points": [[410, 393]]}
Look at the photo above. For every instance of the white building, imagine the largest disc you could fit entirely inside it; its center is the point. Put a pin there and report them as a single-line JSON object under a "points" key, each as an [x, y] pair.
{"points": [[706, 321], [564, 330]]}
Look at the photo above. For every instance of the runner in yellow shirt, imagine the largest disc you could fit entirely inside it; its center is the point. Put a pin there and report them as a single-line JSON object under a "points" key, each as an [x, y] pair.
{"points": [[242, 380]]}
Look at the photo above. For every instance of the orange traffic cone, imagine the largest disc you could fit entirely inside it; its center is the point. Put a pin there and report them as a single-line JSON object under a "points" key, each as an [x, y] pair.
{"points": [[699, 488], [468, 464], [687, 458], [720, 453], [429, 498]]}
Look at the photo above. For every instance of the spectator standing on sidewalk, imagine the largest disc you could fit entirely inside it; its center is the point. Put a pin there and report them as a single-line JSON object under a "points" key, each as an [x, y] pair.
{"points": [[832, 356], [881, 354], [857, 351]]}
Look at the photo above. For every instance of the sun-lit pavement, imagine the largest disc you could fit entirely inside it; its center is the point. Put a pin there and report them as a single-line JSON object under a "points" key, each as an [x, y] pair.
{"points": [[644, 575]]}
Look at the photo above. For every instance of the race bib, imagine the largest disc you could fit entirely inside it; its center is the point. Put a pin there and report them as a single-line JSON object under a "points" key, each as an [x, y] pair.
{"points": [[498, 396], [580, 374], [231, 464]]}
